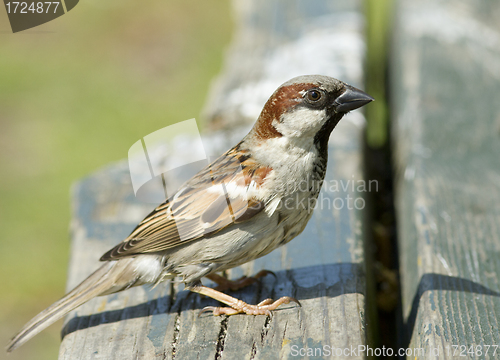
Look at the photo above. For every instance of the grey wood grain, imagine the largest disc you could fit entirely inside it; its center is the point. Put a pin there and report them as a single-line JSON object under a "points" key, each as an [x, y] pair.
{"points": [[324, 268], [446, 81]]}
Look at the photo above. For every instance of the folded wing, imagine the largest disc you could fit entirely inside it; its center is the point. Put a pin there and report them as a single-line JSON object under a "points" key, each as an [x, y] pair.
{"points": [[222, 194]]}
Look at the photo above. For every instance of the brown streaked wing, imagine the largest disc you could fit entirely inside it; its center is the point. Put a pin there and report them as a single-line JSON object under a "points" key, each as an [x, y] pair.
{"points": [[195, 212]]}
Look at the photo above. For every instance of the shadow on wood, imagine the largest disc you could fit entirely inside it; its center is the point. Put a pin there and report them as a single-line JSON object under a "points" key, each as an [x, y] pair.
{"points": [[432, 281], [348, 282]]}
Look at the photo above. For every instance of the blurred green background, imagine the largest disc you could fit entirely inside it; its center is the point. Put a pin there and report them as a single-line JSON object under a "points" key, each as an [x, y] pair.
{"points": [[75, 94]]}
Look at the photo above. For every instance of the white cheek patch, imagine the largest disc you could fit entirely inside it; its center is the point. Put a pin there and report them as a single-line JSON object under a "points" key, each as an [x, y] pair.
{"points": [[302, 121]]}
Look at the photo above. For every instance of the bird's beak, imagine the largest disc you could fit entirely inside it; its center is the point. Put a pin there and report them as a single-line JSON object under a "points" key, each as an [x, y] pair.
{"points": [[351, 99]]}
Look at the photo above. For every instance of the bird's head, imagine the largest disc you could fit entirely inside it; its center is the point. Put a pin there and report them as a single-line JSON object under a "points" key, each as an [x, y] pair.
{"points": [[307, 107]]}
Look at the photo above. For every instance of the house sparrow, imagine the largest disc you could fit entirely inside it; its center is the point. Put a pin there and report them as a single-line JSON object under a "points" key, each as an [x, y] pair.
{"points": [[239, 208]]}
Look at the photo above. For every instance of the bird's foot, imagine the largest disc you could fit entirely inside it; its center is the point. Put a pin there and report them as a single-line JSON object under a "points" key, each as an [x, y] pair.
{"points": [[236, 306], [263, 308]]}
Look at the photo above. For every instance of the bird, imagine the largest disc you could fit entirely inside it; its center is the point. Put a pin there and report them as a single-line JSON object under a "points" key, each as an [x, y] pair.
{"points": [[242, 206]]}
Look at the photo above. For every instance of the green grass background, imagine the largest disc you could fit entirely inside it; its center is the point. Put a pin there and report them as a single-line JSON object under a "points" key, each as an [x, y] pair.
{"points": [[75, 94]]}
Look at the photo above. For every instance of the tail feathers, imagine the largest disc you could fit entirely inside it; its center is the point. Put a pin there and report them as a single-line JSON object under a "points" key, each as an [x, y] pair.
{"points": [[110, 277]]}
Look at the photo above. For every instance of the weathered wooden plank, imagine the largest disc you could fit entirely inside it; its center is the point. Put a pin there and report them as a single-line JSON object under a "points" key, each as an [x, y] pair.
{"points": [[446, 81], [324, 267]]}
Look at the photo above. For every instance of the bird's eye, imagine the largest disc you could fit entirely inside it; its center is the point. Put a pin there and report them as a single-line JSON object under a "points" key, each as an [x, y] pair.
{"points": [[313, 95]]}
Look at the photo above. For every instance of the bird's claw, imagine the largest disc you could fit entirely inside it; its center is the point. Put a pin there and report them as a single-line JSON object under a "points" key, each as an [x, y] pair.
{"points": [[263, 308]]}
